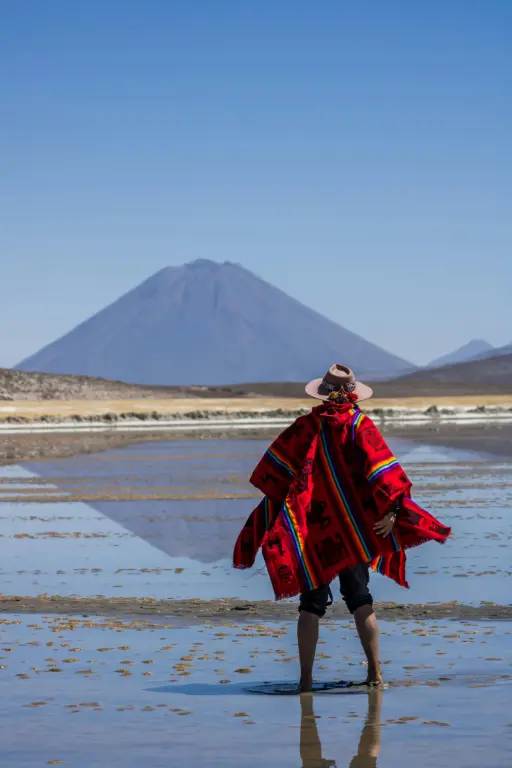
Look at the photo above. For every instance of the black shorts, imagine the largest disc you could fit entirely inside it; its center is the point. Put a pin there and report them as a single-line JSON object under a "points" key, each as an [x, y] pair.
{"points": [[353, 587]]}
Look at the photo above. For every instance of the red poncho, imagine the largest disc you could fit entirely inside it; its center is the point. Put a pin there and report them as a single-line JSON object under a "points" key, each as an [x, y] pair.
{"points": [[327, 480]]}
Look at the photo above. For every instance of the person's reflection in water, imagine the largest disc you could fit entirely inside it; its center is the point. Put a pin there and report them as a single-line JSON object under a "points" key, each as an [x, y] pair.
{"points": [[369, 743]]}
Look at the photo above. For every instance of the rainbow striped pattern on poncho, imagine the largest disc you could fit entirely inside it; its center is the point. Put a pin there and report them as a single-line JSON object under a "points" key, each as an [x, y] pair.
{"points": [[327, 480]]}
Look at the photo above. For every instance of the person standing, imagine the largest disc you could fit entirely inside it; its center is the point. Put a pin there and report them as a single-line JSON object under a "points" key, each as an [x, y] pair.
{"points": [[336, 504]]}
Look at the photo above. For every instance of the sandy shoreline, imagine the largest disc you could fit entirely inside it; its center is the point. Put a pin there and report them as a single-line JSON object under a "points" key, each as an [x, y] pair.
{"points": [[493, 437], [198, 610], [19, 417], [220, 423]]}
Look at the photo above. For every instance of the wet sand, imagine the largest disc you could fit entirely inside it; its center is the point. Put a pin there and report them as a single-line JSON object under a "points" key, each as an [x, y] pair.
{"points": [[92, 693], [490, 438], [47, 447], [197, 609]]}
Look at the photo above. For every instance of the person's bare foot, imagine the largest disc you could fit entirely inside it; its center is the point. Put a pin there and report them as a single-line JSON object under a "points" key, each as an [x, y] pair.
{"points": [[305, 686], [375, 678]]}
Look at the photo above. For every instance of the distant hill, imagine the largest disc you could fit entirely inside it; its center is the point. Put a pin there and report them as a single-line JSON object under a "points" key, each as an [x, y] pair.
{"points": [[469, 351], [23, 385], [476, 377], [495, 352], [486, 377], [208, 323], [19, 385]]}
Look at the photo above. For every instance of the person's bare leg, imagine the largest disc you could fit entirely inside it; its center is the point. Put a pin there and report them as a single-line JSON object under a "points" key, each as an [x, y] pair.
{"points": [[307, 637], [366, 623]]}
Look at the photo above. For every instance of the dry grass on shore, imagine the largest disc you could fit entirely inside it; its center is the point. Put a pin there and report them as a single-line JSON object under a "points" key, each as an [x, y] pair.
{"points": [[87, 408]]}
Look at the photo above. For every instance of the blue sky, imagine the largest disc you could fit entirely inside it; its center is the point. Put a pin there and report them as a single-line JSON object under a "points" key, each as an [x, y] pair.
{"points": [[355, 153]]}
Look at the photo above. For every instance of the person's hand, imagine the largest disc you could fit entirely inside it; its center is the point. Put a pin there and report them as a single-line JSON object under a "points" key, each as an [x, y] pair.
{"points": [[385, 526]]}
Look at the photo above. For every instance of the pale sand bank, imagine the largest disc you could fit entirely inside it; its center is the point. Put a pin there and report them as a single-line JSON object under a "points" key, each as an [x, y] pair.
{"points": [[173, 406], [232, 414]]}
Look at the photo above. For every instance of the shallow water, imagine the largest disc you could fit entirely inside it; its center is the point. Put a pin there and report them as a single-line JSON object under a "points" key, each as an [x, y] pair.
{"points": [[162, 518], [104, 693]]}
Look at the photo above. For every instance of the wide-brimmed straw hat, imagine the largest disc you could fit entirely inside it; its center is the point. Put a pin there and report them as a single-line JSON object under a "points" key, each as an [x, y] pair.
{"points": [[340, 379]]}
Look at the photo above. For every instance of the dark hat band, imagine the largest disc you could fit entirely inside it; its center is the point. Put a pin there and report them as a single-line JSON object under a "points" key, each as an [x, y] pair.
{"points": [[348, 387]]}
